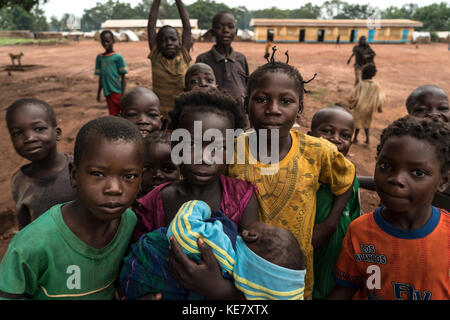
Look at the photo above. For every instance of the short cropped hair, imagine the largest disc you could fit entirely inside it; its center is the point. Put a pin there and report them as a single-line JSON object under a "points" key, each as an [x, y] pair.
{"points": [[18, 104], [431, 130], [368, 71], [110, 128], [210, 100], [105, 32], [318, 116], [420, 91], [131, 95]]}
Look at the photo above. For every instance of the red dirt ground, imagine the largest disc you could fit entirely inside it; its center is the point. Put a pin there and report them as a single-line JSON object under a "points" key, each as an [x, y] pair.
{"points": [[67, 82]]}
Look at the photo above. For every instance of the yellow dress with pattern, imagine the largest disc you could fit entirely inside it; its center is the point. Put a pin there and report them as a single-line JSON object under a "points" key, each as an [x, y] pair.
{"points": [[287, 190]]}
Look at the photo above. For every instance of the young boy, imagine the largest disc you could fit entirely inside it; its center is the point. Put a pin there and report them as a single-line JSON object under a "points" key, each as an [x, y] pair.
{"points": [[169, 56], [44, 182], [77, 247], [400, 250], [111, 68], [230, 67], [266, 262], [141, 106], [199, 75], [336, 125], [428, 101]]}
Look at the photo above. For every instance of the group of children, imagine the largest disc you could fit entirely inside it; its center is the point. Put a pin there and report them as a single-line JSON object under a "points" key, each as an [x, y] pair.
{"points": [[121, 220]]}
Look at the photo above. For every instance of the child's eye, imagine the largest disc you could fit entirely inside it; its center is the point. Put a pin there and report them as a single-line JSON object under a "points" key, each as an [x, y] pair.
{"points": [[130, 115], [96, 173], [346, 136], [16, 133], [169, 169], [443, 108], [210, 80], [39, 129], [327, 131], [419, 173], [384, 165], [287, 100], [130, 176], [194, 81], [261, 99]]}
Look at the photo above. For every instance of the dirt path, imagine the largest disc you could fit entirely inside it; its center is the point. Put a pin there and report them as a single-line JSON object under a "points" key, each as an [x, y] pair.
{"points": [[68, 84]]}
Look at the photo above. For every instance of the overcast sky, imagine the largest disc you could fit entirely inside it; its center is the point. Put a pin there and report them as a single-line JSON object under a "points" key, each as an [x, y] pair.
{"points": [[59, 7]]}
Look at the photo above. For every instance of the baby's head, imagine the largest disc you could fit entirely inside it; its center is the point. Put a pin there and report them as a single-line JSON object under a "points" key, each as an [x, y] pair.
{"points": [[275, 97], [368, 71], [107, 167], [107, 40], [201, 76], [33, 128], [334, 124], [140, 105], [158, 165], [168, 41], [274, 244], [224, 28], [428, 100], [413, 162], [216, 112]]}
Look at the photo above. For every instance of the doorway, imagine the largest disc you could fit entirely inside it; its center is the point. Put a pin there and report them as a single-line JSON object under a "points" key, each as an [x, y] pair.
{"points": [[270, 34], [353, 35], [301, 37], [320, 35]]}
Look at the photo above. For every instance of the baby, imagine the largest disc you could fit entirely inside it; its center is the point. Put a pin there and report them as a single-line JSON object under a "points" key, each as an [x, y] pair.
{"points": [[266, 262]]}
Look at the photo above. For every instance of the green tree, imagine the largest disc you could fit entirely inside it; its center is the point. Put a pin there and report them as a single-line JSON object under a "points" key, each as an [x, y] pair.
{"points": [[204, 11], [435, 17], [24, 4], [308, 11]]}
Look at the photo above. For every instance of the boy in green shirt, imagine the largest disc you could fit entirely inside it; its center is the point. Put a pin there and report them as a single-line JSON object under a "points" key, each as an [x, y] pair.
{"points": [[111, 68], [336, 125], [74, 250]]}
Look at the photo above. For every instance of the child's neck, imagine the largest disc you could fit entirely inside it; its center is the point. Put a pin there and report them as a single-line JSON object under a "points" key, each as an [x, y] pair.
{"points": [[224, 49], [108, 51], [408, 220], [93, 232], [284, 146], [50, 165], [200, 191]]}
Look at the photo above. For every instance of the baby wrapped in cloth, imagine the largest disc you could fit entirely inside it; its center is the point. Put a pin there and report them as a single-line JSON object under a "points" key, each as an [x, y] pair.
{"points": [[265, 262]]}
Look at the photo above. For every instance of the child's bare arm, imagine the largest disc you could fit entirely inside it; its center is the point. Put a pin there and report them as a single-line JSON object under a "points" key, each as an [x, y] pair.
{"points": [[250, 213], [341, 293], [323, 231], [186, 39], [204, 278], [99, 88], [349, 59], [367, 182], [124, 83], [151, 26]]}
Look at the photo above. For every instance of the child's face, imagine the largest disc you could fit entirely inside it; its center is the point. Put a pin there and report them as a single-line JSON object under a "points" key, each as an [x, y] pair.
{"points": [[158, 167], [407, 174], [32, 132], [225, 29], [337, 127], [169, 44], [144, 113], [107, 42], [108, 177], [274, 103], [209, 170], [202, 78], [431, 103]]}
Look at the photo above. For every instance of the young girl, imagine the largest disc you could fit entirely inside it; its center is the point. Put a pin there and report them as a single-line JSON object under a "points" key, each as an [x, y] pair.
{"points": [[43, 182], [400, 250], [286, 189], [169, 56], [111, 69], [141, 106], [366, 97], [158, 165]]}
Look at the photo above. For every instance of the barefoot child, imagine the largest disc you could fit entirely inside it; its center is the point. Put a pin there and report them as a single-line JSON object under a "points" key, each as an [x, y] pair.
{"points": [[141, 106], [169, 56], [429, 101], [199, 75], [265, 262], [367, 96], [336, 125], [44, 182], [111, 69], [403, 245], [78, 246]]}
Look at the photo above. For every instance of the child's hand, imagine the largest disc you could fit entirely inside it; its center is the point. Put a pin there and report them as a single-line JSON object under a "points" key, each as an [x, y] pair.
{"points": [[321, 234], [204, 278]]}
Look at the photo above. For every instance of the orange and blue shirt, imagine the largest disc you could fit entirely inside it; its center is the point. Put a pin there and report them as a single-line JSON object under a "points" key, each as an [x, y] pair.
{"points": [[384, 262]]}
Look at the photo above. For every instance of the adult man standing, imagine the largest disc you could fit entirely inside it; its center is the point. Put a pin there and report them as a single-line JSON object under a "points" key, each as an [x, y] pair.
{"points": [[363, 54]]}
